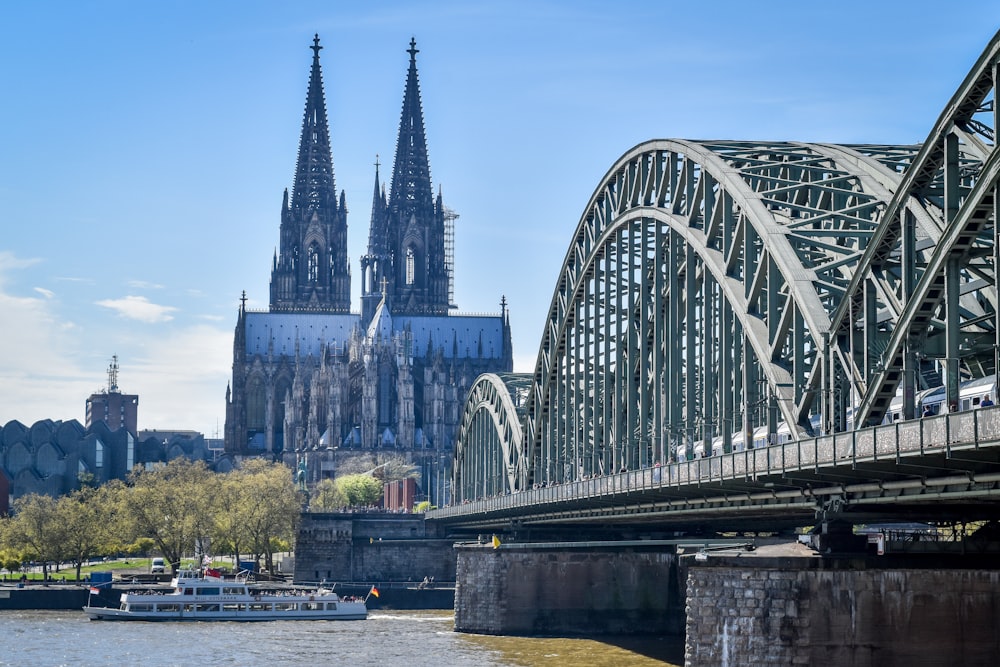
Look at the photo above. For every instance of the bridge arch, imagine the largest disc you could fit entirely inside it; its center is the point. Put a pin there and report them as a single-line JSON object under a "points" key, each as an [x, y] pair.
{"points": [[718, 291], [488, 452]]}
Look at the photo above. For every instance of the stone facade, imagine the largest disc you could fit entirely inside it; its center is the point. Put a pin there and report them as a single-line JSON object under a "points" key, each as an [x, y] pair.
{"points": [[807, 615], [309, 376], [564, 591], [371, 546]]}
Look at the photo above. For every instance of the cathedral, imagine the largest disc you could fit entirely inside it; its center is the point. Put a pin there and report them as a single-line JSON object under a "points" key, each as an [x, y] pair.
{"points": [[311, 378]]}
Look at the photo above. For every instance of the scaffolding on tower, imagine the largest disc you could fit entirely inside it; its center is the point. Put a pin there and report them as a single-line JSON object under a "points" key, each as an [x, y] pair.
{"points": [[450, 216]]}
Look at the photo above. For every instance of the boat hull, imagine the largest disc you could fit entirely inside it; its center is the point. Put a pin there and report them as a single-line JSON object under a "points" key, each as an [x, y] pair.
{"points": [[108, 614]]}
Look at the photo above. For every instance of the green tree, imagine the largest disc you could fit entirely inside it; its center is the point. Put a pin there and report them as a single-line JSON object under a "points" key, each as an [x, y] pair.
{"points": [[422, 507], [230, 530], [172, 505], [325, 497], [269, 507], [37, 530], [91, 520], [359, 490], [10, 554]]}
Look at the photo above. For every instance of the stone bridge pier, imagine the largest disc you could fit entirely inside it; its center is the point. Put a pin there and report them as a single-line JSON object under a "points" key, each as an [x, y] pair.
{"points": [[567, 589], [777, 605]]}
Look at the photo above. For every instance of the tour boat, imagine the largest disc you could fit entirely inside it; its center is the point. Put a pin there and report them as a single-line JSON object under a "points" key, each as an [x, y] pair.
{"points": [[206, 596]]}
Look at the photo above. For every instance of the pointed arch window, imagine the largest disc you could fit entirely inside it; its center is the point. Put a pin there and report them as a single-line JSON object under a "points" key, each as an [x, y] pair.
{"points": [[255, 404], [411, 266], [313, 263]]}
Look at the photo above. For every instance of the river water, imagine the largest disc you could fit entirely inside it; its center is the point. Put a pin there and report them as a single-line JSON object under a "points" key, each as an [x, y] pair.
{"points": [[409, 639]]}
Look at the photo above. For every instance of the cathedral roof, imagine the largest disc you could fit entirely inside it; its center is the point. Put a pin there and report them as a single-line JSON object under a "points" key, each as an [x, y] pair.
{"points": [[309, 331], [456, 336], [453, 336]]}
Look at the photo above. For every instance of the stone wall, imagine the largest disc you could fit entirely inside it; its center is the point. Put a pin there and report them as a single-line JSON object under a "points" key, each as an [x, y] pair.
{"points": [[565, 590], [811, 615], [371, 547]]}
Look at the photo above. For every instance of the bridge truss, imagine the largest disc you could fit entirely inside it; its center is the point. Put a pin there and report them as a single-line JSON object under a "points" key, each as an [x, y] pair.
{"points": [[714, 289]]}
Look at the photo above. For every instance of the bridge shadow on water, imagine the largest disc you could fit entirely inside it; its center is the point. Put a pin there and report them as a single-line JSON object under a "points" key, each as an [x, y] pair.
{"points": [[610, 651], [665, 650]]}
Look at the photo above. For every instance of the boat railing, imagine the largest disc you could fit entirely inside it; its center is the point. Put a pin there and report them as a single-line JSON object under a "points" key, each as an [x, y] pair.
{"points": [[245, 577]]}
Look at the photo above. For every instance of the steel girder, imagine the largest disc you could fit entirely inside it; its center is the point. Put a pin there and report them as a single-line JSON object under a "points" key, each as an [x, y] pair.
{"points": [[951, 294], [714, 288]]}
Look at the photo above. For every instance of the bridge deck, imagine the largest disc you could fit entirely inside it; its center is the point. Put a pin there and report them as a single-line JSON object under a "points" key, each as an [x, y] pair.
{"points": [[933, 468]]}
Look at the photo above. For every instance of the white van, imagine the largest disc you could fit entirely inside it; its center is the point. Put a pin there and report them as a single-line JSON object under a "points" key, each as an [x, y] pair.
{"points": [[157, 566]]}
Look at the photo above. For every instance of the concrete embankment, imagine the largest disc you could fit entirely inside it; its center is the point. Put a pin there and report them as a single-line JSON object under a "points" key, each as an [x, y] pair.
{"points": [[41, 596]]}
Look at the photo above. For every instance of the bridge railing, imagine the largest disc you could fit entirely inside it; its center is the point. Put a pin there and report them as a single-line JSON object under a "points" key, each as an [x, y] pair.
{"points": [[892, 442]]}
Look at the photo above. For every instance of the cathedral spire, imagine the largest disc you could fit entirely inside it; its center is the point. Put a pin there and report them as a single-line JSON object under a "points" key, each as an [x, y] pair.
{"points": [[314, 183], [312, 272], [376, 232], [376, 262], [418, 277], [411, 174]]}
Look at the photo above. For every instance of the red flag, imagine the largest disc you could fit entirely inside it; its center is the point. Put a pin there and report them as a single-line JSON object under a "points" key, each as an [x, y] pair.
{"points": [[95, 591], [212, 572]]}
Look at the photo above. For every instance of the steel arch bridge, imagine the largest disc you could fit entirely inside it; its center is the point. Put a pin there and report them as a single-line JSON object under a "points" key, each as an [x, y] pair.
{"points": [[717, 289]]}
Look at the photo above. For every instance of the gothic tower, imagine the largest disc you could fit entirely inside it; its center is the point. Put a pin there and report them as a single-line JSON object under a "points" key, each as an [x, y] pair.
{"points": [[313, 383], [376, 264], [310, 271], [406, 248]]}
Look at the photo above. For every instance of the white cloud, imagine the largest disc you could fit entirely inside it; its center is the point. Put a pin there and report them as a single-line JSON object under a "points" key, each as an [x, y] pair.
{"points": [[142, 284], [41, 378], [8, 261], [53, 364], [181, 380], [139, 308]]}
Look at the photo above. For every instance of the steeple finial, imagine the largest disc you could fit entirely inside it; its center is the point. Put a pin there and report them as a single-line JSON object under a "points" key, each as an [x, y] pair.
{"points": [[413, 50], [316, 47]]}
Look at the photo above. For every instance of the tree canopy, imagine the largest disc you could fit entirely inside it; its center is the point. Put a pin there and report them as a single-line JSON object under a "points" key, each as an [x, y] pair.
{"points": [[173, 510]]}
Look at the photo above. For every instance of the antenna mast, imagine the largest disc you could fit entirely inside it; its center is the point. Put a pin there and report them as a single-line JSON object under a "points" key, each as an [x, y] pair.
{"points": [[113, 375]]}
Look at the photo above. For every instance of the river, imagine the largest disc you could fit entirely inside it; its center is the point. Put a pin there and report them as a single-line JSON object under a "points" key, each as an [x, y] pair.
{"points": [[408, 639]]}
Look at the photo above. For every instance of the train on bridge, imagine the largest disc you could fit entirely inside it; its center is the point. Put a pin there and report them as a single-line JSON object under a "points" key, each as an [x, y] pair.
{"points": [[929, 402]]}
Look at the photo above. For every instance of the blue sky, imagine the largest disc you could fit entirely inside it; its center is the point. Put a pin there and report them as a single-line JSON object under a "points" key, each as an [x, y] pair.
{"points": [[144, 148]]}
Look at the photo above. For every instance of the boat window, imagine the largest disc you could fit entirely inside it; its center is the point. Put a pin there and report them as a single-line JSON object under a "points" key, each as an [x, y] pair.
{"points": [[233, 606], [207, 607], [331, 605], [260, 606], [312, 606], [285, 606], [189, 607], [234, 590], [140, 607], [168, 607], [208, 590]]}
